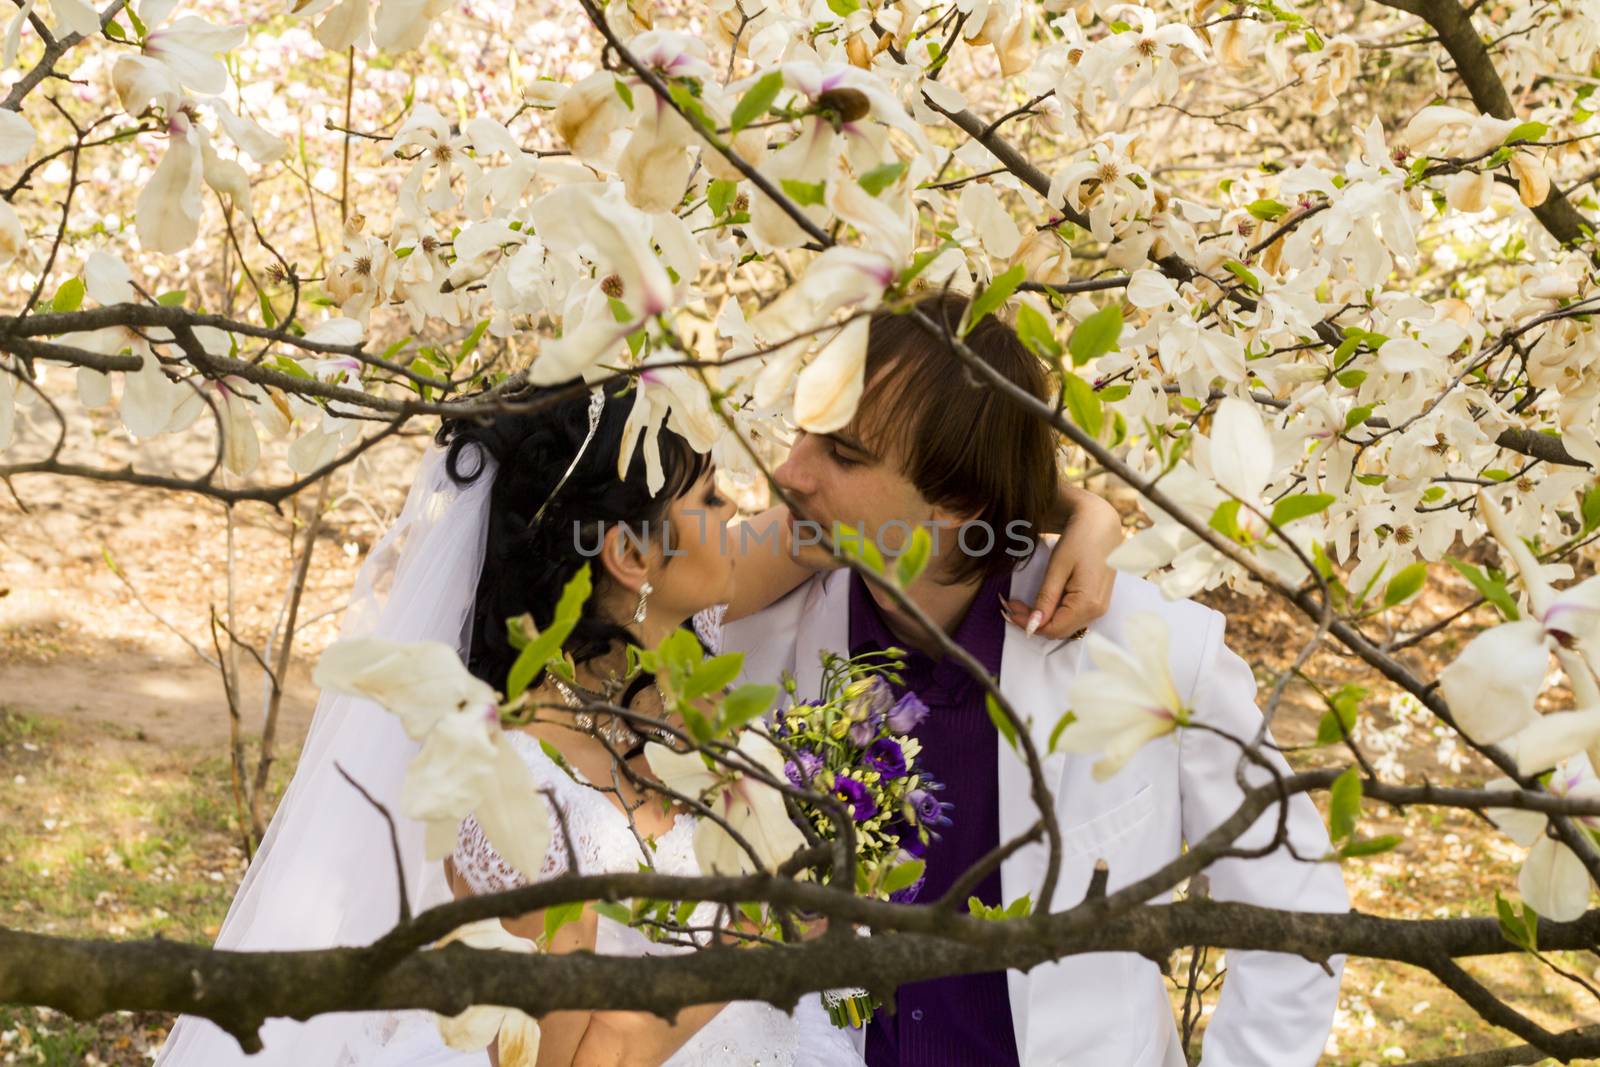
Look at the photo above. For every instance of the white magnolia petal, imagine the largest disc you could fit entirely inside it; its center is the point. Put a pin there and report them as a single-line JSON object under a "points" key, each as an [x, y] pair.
{"points": [[1151, 289], [1554, 882], [654, 165], [148, 399], [348, 25], [588, 113], [168, 207], [313, 450], [225, 176], [829, 389], [512, 812], [13, 38], [981, 211], [107, 278], [452, 772], [77, 16], [420, 681], [189, 47], [1431, 121], [1241, 449], [258, 142], [1555, 737], [681, 772], [94, 387], [16, 137], [402, 25], [140, 80], [339, 330], [1492, 685], [241, 448]]}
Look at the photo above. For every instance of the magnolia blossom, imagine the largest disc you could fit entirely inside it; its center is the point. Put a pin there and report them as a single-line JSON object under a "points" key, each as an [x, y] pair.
{"points": [[670, 395], [752, 809], [466, 765], [188, 47], [1491, 687], [168, 218], [1553, 880], [1129, 700], [514, 1033], [16, 138]]}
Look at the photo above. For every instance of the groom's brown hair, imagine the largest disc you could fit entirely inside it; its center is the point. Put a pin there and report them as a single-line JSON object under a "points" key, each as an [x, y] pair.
{"points": [[964, 445]]}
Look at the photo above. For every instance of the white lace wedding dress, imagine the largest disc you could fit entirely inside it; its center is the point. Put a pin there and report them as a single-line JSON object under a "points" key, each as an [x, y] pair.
{"points": [[745, 1033]]}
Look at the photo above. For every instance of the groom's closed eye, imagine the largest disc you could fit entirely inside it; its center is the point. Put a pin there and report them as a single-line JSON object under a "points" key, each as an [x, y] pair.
{"points": [[846, 451]]}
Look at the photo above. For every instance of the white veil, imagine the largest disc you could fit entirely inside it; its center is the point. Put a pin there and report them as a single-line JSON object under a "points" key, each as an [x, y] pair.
{"points": [[325, 873]]}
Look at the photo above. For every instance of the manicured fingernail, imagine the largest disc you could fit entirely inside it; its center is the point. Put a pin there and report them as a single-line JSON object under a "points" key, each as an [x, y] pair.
{"points": [[1034, 622]]}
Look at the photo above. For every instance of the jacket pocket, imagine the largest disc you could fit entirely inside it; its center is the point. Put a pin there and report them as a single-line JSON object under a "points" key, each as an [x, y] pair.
{"points": [[1111, 828]]}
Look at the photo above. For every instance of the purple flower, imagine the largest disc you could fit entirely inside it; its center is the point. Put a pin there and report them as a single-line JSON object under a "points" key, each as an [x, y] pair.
{"points": [[911, 841], [856, 797], [930, 810], [886, 758], [907, 895], [809, 764], [862, 733], [907, 714]]}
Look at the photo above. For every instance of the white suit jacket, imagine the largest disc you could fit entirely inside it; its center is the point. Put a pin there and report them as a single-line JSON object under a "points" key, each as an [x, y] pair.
{"points": [[1112, 1009]]}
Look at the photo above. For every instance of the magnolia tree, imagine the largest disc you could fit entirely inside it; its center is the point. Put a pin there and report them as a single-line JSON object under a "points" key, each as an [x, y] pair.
{"points": [[1316, 284]]}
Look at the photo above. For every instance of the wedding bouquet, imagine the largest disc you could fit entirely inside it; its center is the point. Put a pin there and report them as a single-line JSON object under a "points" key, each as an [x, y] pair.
{"points": [[853, 744]]}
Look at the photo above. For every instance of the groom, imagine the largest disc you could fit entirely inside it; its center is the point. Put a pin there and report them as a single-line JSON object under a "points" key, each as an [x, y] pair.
{"points": [[931, 446]]}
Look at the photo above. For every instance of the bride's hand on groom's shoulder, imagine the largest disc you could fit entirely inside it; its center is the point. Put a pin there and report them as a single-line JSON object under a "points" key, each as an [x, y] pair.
{"points": [[1078, 579]]}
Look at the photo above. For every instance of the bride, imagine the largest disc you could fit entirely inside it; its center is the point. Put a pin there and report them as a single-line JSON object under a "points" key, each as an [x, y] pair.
{"points": [[501, 515]]}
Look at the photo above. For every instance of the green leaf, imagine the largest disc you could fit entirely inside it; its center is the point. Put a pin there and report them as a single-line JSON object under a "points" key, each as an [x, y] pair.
{"points": [[999, 719], [1083, 404], [881, 177], [269, 317], [862, 549], [114, 30], [804, 193], [290, 367], [544, 647], [844, 8], [1591, 508], [1356, 416], [1405, 585], [993, 297], [903, 875], [1244, 274], [1061, 724], [1350, 379], [746, 703], [1527, 131], [1491, 589], [1034, 330], [558, 915], [720, 195], [913, 558], [472, 340], [1299, 506], [138, 25], [756, 100], [625, 91], [69, 297], [1340, 719], [610, 909], [1344, 804], [1096, 335], [1225, 520], [713, 676], [172, 298], [1267, 210], [1369, 846]]}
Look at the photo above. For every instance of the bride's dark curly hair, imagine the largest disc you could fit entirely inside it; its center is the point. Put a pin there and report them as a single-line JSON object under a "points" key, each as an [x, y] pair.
{"points": [[525, 566]]}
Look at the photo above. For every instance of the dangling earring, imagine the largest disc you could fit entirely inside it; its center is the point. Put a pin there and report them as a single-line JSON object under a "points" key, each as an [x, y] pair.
{"points": [[644, 593]]}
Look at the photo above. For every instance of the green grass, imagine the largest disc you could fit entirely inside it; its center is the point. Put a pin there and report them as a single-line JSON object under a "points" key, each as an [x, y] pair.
{"points": [[104, 835]]}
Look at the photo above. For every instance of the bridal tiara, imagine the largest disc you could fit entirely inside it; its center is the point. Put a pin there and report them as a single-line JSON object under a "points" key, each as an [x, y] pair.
{"points": [[597, 403]]}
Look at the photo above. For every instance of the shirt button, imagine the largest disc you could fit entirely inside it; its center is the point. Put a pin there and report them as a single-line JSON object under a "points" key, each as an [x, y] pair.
{"points": [[916, 1014]]}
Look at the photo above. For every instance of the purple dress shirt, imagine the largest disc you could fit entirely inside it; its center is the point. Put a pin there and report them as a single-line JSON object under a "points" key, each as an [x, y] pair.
{"points": [[963, 1021]]}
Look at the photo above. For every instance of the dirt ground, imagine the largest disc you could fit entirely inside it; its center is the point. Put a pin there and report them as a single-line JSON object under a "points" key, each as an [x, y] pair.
{"points": [[117, 820]]}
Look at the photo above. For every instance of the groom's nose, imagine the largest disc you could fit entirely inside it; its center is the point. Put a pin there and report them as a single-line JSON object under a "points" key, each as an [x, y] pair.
{"points": [[797, 474]]}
